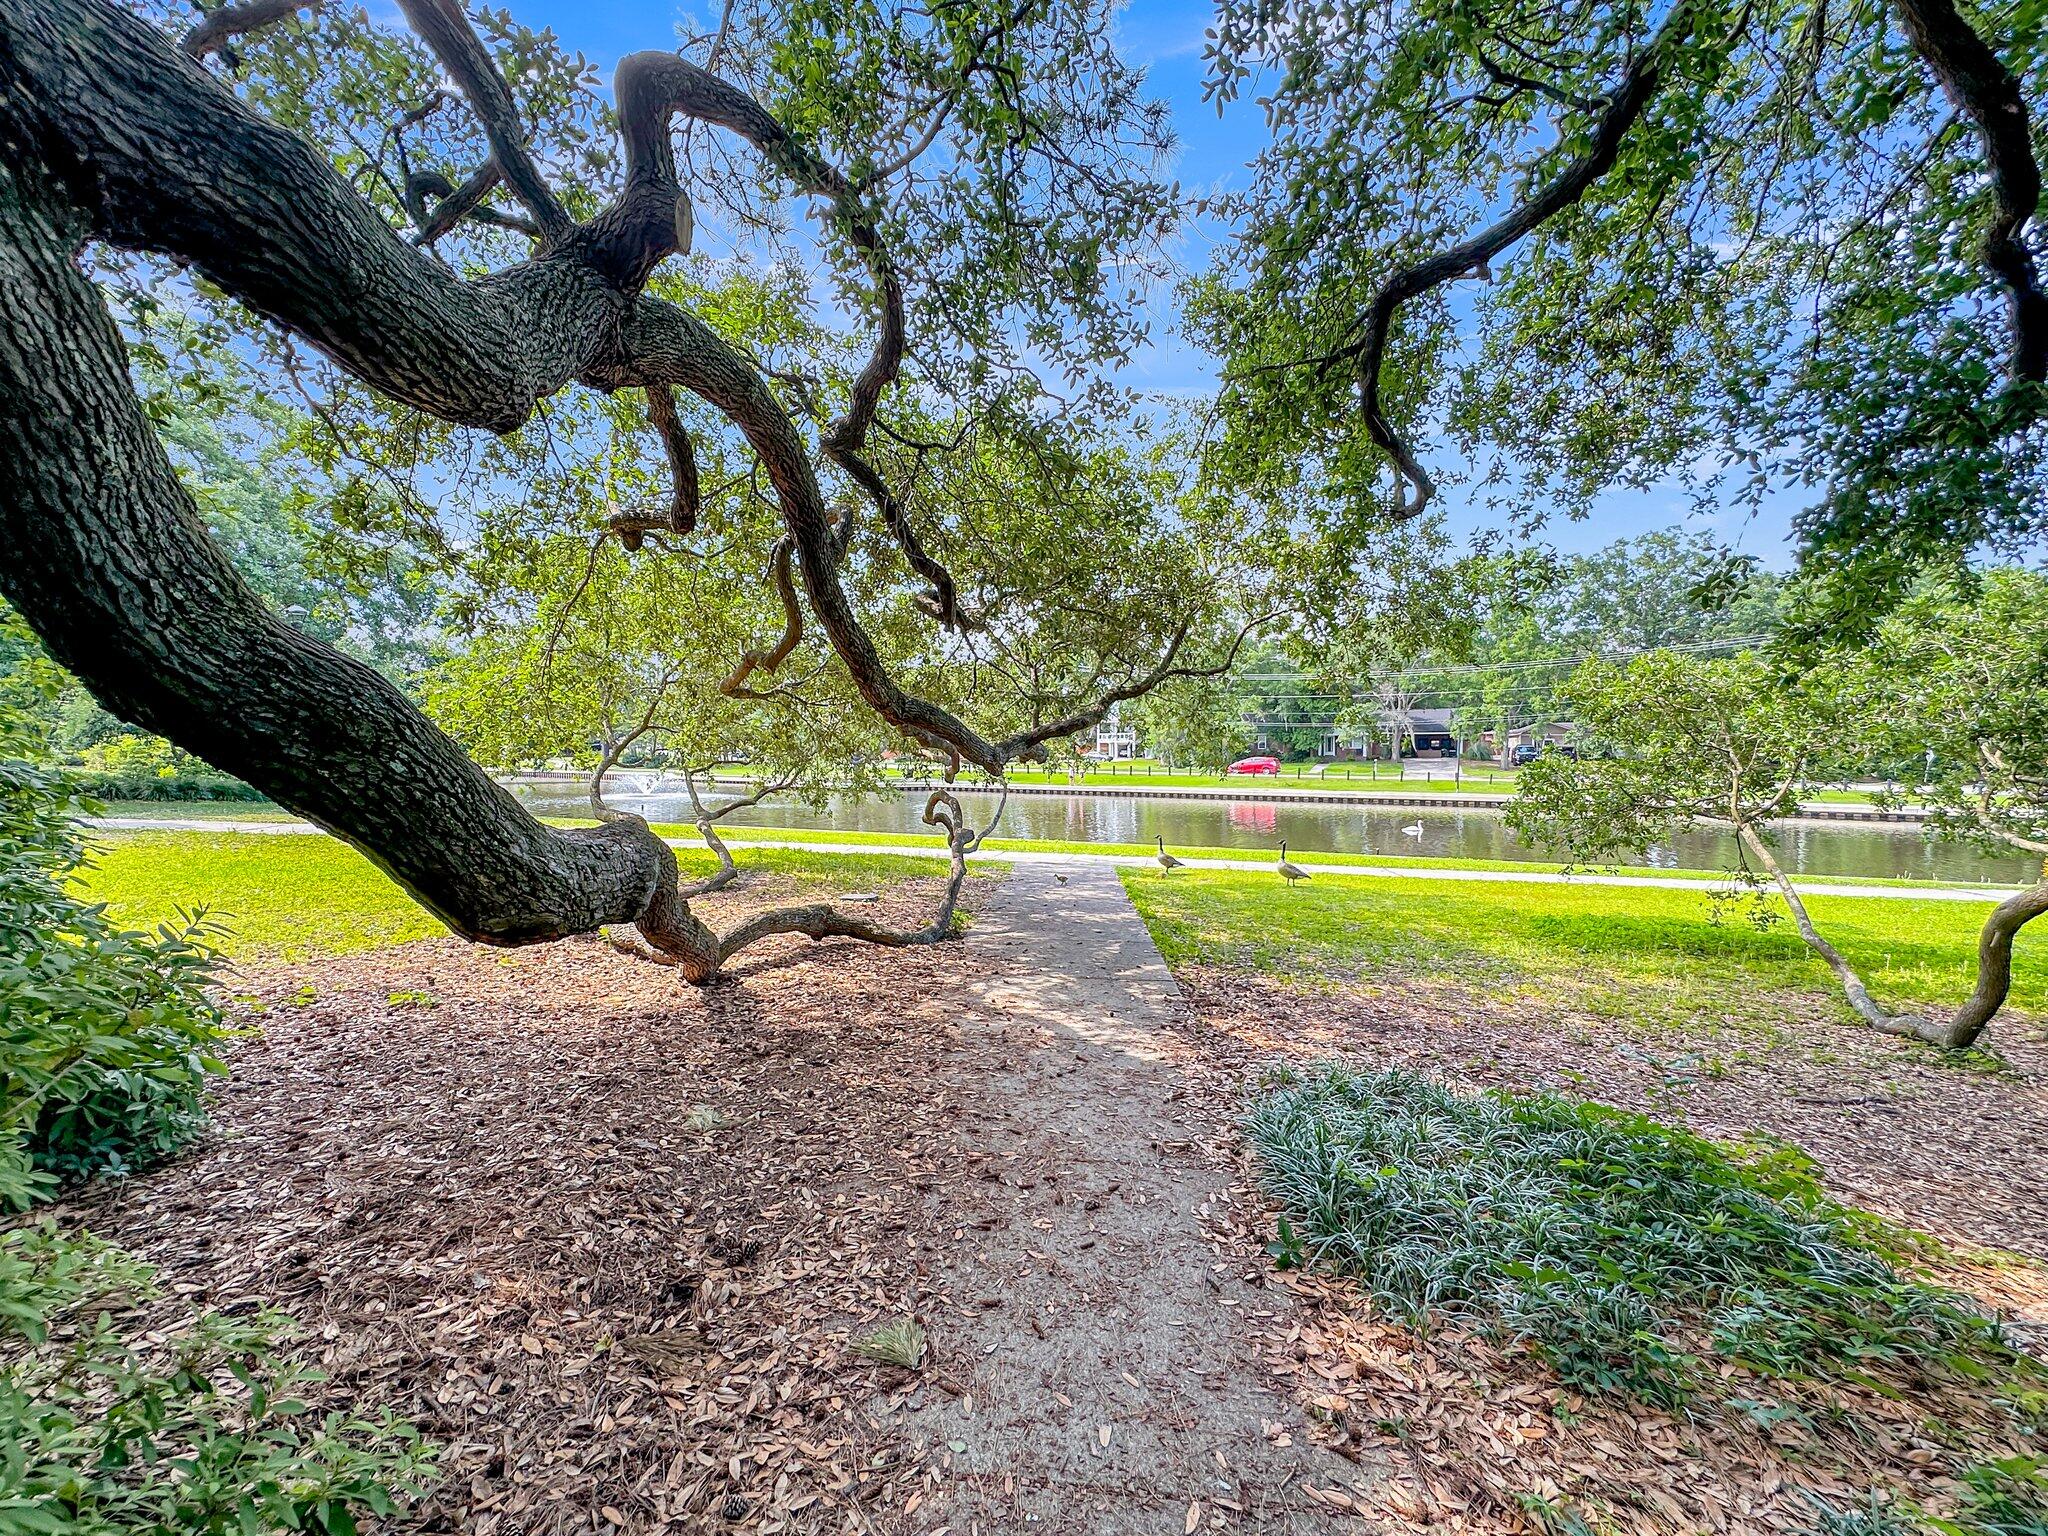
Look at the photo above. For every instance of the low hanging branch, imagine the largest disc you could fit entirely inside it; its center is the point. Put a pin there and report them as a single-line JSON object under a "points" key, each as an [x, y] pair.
{"points": [[735, 686], [707, 818], [700, 954], [1972, 76], [1624, 106], [686, 501], [1965, 66]]}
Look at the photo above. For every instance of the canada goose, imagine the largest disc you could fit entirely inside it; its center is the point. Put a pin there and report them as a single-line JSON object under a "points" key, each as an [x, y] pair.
{"points": [[1167, 861], [1289, 872]]}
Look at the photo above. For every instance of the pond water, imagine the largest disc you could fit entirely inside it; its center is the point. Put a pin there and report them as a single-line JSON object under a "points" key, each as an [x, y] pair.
{"points": [[1839, 850]]}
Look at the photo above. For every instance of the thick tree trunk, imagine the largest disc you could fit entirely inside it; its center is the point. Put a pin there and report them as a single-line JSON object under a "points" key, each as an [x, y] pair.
{"points": [[109, 133], [108, 560], [1994, 965]]}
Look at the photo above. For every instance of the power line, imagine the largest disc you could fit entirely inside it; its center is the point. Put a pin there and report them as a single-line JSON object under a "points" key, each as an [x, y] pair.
{"points": [[1466, 669]]}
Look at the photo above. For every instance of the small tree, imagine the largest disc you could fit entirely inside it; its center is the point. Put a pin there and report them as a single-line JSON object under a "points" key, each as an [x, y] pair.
{"points": [[599, 654], [1967, 686], [1668, 740]]}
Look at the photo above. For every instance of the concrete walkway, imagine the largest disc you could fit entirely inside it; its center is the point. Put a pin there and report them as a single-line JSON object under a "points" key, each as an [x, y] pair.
{"points": [[935, 849], [1103, 1379]]}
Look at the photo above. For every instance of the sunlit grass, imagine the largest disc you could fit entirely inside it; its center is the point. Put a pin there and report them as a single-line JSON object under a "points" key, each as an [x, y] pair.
{"points": [[289, 896], [1631, 951]]}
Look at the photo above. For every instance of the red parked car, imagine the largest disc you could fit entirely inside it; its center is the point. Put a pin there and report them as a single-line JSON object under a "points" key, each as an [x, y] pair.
{"points": [[1265, 765]]}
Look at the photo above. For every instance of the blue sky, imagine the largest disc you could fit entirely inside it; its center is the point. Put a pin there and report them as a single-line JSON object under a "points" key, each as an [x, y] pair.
{"points": [[1166, 38]]}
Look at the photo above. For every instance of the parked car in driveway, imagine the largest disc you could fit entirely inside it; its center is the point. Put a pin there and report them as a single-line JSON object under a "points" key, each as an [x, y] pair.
{"points": [[1269, 766]]}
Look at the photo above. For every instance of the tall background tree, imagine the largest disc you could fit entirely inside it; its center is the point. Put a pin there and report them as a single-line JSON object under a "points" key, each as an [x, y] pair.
{"points": [[1963, 676]]}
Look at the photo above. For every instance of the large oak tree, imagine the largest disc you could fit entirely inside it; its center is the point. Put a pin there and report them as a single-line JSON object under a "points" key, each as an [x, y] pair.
{"points": [[981, 175]]}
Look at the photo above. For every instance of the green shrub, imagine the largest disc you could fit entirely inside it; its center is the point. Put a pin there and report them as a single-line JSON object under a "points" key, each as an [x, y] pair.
{"points": [[113, 784], [1617, 1247], [141, 767], [202, 1431], [111, 1424], [2003, 1498], [106, 1035]]}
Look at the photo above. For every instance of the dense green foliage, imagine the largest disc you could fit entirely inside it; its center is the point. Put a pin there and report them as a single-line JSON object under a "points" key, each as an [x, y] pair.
{"points": [[110, 1423], [106, 1032], [1630, 1255], [1774, 288], [108, 1430], [1964, 680], [1667, 739]]}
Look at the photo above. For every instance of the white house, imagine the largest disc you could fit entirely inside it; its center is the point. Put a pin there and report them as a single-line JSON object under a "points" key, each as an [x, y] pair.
{"points": [[1115, 742]]}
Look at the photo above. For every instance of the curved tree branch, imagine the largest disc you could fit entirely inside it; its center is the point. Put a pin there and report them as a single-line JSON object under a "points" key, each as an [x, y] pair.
{"points": [[706, 819], [652, 87], [1973, 77], [1624, 106], [218, 28], [108, 133], [685, 497], [1994, 968], [444, 28]]}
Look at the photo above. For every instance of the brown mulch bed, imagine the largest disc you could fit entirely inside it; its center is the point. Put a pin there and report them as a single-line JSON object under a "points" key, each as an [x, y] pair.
{"points": [[1489, 1441], [606, 1237], [610, 1239]]}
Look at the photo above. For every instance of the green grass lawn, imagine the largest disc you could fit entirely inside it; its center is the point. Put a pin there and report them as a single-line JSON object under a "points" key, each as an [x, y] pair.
{"points": [[1623, 951], [287, 897], [199, 810]]}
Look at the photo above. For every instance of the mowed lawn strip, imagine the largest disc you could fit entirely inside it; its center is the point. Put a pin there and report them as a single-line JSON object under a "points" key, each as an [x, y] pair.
{"points": [[1612, 950], [285, 899]]}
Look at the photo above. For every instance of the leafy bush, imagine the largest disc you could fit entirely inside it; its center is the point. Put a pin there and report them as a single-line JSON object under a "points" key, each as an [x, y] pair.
{"points": [[111, 784], [202, 1432], [2003, 1498], [110, 1423], [1615, 1246], [106, 1035], [139, 767]]}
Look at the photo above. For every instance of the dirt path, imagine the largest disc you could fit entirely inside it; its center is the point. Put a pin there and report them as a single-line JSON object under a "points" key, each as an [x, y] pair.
{"points": [[1105, 1336]]}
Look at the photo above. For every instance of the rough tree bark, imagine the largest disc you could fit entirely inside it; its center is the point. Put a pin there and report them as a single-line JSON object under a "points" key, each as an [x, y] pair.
{"points": [[108, 132], [1994, 965], [1994, 961]]}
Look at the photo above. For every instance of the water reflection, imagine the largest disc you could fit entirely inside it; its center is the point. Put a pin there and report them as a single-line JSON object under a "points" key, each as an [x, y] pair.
{"points": [[1825, 849]]}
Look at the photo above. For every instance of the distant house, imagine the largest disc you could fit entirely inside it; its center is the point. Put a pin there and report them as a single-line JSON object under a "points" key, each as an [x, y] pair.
{"points": [[1341, 748], [1115, 742], [1429, 733], [1555, 734]]}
